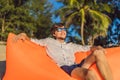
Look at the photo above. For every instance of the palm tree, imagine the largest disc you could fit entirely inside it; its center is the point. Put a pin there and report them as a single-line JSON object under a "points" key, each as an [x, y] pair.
{"points": [[88, 14]]}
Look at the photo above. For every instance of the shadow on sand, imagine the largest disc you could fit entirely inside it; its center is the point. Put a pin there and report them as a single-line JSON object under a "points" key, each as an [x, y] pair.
{"points": [[2, 68]]}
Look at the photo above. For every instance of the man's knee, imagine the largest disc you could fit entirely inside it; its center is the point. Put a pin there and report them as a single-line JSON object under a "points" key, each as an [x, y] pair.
{"points": [[91, 75], [79, 73], [99, 55], [90, 72], [83, 74]]}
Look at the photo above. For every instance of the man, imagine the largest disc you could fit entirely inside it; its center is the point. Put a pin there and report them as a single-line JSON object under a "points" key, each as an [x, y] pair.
{"points": [[63, 55]]}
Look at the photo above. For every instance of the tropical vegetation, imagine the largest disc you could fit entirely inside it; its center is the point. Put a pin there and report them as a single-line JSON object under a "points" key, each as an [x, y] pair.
{"points": [[93, 19], [90, 15], [29, 16]]}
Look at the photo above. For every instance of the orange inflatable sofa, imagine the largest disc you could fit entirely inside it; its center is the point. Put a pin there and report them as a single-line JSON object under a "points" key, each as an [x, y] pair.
{"points": [[26, 60]]}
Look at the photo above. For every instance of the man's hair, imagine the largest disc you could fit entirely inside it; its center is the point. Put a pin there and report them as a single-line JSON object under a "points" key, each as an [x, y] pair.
{"points": [[55, 26]]}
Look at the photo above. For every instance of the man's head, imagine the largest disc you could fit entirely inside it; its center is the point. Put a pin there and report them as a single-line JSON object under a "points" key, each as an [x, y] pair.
{"points": [[58, 31]]}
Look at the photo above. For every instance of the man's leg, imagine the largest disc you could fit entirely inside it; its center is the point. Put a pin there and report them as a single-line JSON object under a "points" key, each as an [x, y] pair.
{"points": [[83, 74], [104, 67], [98, 56]]}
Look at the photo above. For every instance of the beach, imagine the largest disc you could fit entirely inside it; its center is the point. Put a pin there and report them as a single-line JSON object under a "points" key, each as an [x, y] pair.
{"points": [[2, 52]]}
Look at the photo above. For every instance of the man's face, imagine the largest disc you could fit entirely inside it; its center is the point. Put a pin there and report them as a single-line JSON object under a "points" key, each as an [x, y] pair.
{"points": [[60, 33]]}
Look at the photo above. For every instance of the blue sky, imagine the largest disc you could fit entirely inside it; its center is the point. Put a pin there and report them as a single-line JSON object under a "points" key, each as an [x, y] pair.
{"points": [[56, 6], [115, 33]]}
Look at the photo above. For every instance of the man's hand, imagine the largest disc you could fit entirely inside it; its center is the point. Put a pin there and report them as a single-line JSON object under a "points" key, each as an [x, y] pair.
{"points": [[21, 36], [97, 48]]}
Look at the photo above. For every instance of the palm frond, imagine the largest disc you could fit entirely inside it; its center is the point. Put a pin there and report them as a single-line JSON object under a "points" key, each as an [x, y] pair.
{"points": [[70, 18], [101, 23], [82, 13]]}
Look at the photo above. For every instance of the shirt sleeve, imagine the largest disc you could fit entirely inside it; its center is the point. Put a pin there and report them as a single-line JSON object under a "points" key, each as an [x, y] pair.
{"points": [[41, 42], [80, 48]]}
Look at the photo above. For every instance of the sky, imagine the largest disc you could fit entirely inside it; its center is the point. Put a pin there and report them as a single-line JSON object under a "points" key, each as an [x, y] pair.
{"points": [[56, 6], [115, 33]]}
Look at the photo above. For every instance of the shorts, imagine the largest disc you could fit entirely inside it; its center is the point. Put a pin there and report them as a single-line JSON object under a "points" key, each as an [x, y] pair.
{"points": [[68, 69]]}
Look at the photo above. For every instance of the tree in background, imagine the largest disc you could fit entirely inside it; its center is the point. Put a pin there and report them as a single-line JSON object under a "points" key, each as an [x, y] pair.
{"points": [[5, 9], [24, 16], [41, 11], [113, 37], [14, 17], [89, 15]]}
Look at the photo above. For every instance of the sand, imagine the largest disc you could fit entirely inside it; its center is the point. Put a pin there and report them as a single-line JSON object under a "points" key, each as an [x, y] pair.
{"points": [[2, 52]]}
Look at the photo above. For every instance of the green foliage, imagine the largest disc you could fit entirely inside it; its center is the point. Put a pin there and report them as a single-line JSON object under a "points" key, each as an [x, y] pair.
{"points": [[101, 22], [40, 10], [24, 16]]}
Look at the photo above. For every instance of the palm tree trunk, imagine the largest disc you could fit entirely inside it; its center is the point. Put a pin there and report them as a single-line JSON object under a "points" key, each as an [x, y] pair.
{"points": [[2, 28], [82, 25], [3, 24], [19, 2], [93, 41], [82, 34]]}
